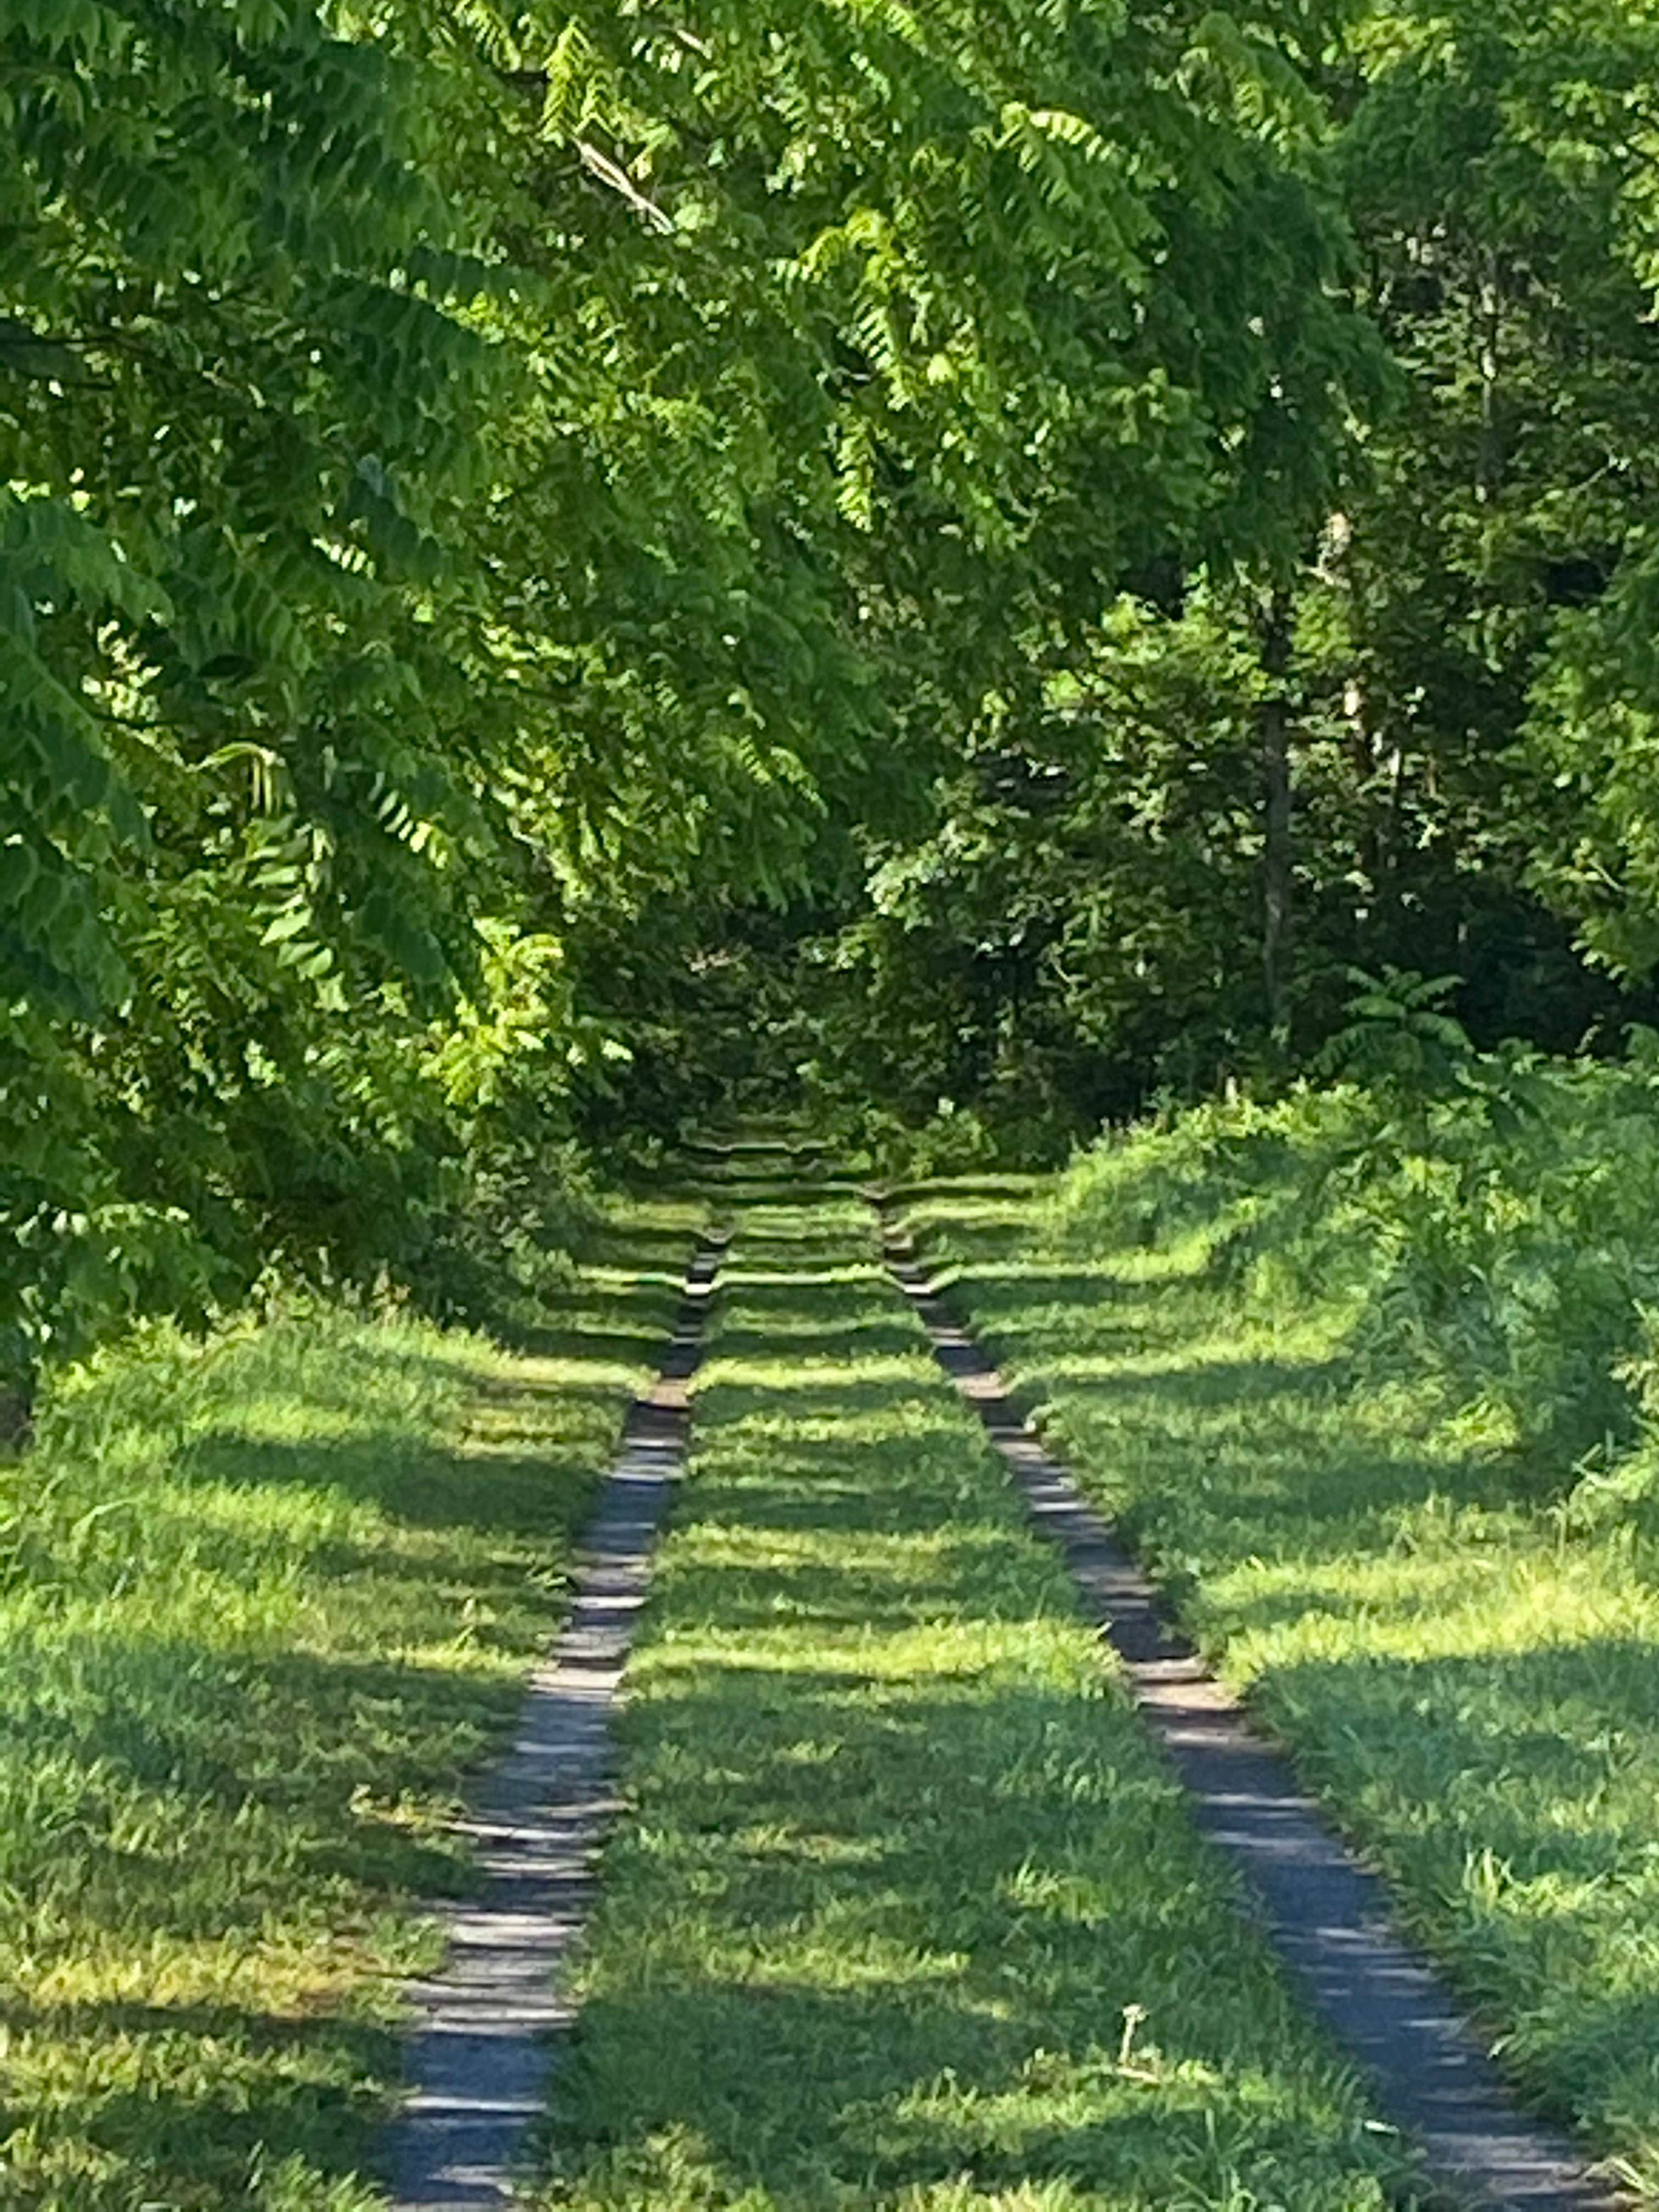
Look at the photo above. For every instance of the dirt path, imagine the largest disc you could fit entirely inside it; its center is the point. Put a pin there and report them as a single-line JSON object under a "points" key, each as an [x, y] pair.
{"points": [[906, 1910], [1330, 1920], [479, 2062]]}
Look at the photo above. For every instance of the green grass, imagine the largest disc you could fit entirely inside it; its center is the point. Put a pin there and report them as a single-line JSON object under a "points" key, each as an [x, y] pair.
{"points": [[896, 1857], [262, 1604], [1470, 1678]]}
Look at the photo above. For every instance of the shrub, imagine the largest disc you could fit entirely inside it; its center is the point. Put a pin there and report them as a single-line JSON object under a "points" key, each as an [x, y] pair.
{"points": [[1491, 1217]]}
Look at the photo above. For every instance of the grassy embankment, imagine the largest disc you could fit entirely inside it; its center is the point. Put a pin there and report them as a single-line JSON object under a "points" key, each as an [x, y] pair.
{"points": [[263, 1602], [1327, 1369], [898, 1857]]}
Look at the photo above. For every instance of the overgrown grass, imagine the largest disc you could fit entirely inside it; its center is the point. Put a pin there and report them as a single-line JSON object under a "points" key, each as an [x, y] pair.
{"points": [[899, 1870], [264, 1601], [1459, 1643]]}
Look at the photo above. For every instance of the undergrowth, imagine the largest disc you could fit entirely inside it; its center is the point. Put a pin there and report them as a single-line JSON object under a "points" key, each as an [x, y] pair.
{"points": [[1499, 1239]]}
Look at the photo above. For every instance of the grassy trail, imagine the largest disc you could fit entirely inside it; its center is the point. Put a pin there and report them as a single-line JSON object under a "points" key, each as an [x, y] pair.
{"points": [[260, 1607], [1471, 1682], [899, 1872]]}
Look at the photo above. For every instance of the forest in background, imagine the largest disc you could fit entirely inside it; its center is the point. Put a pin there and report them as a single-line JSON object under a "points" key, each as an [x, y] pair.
{"points": [[962, 568]]}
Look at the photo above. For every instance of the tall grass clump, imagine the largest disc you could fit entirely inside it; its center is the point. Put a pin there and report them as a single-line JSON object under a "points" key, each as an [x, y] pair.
{"points": [[1488, 1221]]}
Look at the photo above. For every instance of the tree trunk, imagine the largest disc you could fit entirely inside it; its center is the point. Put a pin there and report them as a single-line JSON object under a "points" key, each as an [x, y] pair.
{"points": [[1490, 477], [1277, 802]]}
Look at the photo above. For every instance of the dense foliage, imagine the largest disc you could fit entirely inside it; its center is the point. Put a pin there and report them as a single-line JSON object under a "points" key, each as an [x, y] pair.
{"points": [[560, 564], [1420, 738]]}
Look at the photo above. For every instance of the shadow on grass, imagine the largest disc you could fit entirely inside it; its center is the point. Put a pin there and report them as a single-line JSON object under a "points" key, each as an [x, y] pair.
{"points": [[1490, 1752], [856, 1341], [166, 2093], [1511, 1794], [1013, 1189], [899, 1955], [630, 1320], [270, 1807], [237, 1701], [523, 1485], [1478, 1699], [1262, 1453], [183, 1808], [896, 1865]]}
